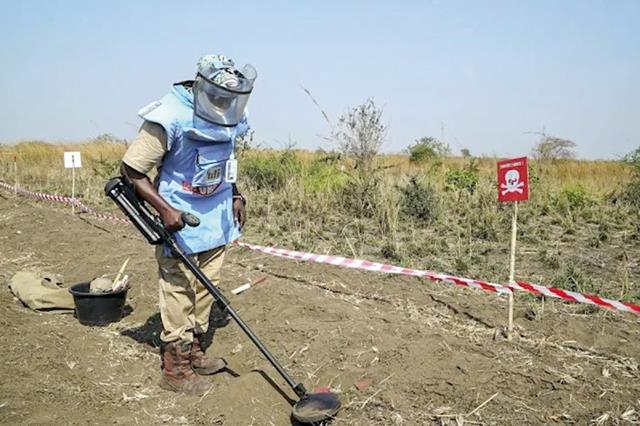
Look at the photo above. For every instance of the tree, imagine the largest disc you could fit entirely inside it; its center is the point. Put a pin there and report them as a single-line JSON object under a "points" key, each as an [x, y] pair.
{"points": [[553, 148], [360, 133], [427, 148]]}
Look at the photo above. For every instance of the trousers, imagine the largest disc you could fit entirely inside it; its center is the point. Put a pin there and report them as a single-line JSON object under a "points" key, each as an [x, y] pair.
{"points": [[185, 304]]}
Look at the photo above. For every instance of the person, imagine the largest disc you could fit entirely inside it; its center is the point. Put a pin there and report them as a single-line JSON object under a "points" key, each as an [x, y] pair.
{"points": [[189, 136]]}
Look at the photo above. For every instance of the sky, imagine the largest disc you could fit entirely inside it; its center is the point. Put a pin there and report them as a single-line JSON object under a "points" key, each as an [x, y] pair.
{"points": [[480, 75]]}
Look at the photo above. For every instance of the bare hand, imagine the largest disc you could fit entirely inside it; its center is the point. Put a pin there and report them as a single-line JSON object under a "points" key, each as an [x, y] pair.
{"points": [[172, 219], [239, 213]]}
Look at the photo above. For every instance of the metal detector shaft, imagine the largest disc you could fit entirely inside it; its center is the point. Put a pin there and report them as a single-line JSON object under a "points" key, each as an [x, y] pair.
{"points": [[150, 225], [298, 388]]}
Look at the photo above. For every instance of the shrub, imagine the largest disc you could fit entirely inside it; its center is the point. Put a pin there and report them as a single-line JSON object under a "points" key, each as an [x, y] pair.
{"points": [[632, 190], [632, 193], [419, 200], [577, 197], [322, 175], [464, 179], [461, 180], [427, 149], [271, 171], [358, 196]]}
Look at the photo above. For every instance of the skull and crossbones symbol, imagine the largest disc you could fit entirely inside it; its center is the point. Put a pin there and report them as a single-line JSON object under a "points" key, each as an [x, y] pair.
{"points": [[513, 184]]}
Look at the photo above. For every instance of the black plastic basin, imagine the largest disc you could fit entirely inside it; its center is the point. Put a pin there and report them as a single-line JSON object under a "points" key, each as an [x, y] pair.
{"points": [[97, 308]]}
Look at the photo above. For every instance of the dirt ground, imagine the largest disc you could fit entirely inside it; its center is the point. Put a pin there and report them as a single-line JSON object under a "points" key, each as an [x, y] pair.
{"points": [[434, 353]]}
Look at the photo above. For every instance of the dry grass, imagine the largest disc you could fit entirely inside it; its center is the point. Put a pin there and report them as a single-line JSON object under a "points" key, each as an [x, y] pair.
{"points": [[575, 232], [42, 163]]}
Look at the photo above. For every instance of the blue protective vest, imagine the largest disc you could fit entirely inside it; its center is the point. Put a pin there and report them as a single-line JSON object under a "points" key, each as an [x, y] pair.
{"points": [[192, 176]]}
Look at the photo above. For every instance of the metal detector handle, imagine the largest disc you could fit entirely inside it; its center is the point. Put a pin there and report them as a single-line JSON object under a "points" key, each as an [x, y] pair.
{"points": [[190, 219]]}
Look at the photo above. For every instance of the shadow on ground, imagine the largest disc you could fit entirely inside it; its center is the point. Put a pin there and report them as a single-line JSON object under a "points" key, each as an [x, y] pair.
{"points": [[148, 334]]}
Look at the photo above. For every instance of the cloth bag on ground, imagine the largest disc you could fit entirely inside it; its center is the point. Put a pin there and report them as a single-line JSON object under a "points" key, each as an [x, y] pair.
{"points": [[42, 292]]}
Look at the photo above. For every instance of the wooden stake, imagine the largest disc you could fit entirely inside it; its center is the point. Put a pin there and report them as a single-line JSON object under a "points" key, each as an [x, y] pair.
{"points": [[121, 271], [15, 174], [512, 266]]}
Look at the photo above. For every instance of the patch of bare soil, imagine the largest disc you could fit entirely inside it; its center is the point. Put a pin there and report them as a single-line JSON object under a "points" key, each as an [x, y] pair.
{"points": [[433, 354]]}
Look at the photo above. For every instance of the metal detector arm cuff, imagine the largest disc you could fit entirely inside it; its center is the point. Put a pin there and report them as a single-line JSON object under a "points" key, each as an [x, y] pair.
{"points": [[125, 198]]}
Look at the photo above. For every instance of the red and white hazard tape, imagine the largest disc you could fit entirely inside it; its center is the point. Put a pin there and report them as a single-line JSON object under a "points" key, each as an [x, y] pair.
{"points": [[366, 265], [434, 276], [65, 200]]}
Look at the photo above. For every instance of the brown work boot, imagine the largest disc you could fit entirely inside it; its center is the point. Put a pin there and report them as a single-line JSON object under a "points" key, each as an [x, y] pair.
{"points": [[200, 362], [177, 374]]}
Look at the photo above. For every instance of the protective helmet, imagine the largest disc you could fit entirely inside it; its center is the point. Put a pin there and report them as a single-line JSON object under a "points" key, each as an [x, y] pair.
{"points": [[221, 91]]}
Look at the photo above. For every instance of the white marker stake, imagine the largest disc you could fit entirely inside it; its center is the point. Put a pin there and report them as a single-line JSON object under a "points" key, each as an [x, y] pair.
{"points": [[247, 286], [512, 266], [240, 289], [71, 161], [73, 184]]}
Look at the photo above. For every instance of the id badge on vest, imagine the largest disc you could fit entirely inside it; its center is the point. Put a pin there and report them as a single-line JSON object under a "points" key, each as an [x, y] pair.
{"points": [[231, 170]]}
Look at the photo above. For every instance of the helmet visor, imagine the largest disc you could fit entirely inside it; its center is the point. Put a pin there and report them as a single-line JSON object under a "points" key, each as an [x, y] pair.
{"points": [[222, 98]]}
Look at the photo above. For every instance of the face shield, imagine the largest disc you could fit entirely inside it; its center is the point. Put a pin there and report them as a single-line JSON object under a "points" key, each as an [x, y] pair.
{"points": [[221, 97]]}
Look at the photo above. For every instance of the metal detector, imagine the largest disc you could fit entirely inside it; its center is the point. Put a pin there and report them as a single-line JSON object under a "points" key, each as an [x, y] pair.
{"points": [[310, 407]]}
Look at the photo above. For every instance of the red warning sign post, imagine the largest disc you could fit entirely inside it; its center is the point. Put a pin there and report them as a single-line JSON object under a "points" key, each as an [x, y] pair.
{"points": [[513, 186], [513, 180]]}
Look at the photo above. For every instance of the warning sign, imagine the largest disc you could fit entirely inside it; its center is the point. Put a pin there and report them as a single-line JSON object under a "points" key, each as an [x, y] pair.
{"points": [[513, 180]]}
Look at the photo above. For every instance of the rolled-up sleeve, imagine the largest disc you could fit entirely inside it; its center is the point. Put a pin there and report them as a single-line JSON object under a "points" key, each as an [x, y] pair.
{"points": [[147, 148]]}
